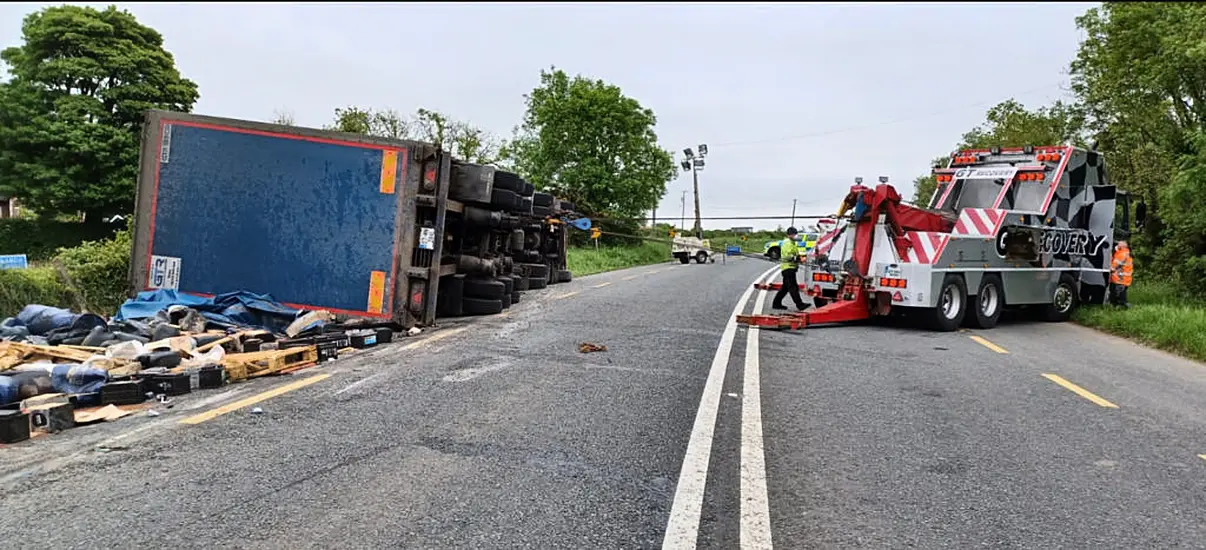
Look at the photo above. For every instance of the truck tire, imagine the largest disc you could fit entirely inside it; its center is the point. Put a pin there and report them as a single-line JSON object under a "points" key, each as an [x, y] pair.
{"points": [[528, 189], [1063, 301], [537, 283], [521, 283], [701, 257], [504, 199], [480, 306], [525, 206], [567, 206], [541, 211], [449, 298], [952, 304], [564, 275], [508, 181], [542, 199], [508, 284], [988, 303], [537, 271], [683, 258], [506, 301], [486, 289]]}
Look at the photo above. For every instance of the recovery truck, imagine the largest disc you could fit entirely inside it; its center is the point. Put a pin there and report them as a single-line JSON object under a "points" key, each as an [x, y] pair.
{"points": [[1027, 227]]}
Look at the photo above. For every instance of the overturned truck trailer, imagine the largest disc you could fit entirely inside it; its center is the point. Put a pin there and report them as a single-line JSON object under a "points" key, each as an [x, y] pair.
{"points": [[356, 225]]}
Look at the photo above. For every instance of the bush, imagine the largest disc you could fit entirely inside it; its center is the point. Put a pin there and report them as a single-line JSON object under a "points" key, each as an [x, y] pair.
{"points": [[39, 239], [93, 272], [36, 285]]}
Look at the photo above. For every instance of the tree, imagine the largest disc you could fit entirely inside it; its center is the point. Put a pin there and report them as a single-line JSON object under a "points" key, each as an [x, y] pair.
{"points": [[71, 114], [465, 141], [924, 186], [1141, 75], [585, 141], [284, 117]]}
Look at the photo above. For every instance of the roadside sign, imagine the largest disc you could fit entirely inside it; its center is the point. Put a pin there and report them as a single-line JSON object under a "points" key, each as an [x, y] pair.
{"points": [[14, 261]]}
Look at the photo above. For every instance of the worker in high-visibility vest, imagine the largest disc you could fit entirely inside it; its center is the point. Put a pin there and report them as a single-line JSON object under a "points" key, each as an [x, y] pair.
{"points": [[1121, 270], [789, 255]]}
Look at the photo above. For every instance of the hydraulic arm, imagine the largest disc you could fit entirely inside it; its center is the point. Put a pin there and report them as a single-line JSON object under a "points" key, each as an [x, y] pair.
{"points": [[855, 301]]}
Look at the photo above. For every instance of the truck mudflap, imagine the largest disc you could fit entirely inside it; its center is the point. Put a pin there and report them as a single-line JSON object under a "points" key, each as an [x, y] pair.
{"points": [[852, 304]]}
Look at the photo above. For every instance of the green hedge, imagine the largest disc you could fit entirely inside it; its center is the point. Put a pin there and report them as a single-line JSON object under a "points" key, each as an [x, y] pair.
{"points": [[92, 274], [39, 239]]}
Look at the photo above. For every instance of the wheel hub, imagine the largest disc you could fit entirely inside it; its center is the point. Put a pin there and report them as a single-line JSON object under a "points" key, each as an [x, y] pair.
{"points": [[1063, 298], [989, 301], [950, 302]]}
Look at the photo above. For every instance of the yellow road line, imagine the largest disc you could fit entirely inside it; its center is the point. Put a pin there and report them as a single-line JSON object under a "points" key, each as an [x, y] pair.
{"points": [[601, 285], [437, 336], [1203, 457], [566, 295], [211, 414], [655, 271], [1080, 391], [988, 344], [630, 277]]}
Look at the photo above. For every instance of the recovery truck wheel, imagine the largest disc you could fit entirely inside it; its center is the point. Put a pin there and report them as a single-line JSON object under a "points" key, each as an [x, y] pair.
{"points": [[952, 304], [683, 258], [987, 304], [701, 257], [1063, 301]]}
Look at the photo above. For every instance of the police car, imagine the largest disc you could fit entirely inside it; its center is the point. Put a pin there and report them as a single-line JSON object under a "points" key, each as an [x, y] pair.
{"points": [[807, 242]]}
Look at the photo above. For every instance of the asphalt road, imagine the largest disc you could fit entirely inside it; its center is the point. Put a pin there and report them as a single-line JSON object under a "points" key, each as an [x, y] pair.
{"points": [[498, 433]]}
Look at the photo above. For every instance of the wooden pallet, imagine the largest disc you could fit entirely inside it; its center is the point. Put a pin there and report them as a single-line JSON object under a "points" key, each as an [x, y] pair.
{"points": [[241, 366]]}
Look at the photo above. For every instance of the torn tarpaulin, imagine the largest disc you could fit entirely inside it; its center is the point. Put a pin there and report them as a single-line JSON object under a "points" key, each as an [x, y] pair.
{"points": [[232, 309]]}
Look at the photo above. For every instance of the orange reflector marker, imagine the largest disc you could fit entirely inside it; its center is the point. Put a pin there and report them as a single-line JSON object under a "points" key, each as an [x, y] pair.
{"points": [[376, 297], [389, 171], [893, 283]]}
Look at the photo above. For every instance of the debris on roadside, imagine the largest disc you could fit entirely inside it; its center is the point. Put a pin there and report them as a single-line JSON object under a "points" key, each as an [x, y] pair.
{"points": [[60, 369], [587, 347]]}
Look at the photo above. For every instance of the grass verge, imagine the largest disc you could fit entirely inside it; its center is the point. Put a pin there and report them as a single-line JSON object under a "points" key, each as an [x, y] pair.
{"points": [[588, 261], [1159, 316]]}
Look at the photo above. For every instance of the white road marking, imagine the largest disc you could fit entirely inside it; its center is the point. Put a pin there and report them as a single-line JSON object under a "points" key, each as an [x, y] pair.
{"points": [[755, 506], [357, 383], [682, 528]]}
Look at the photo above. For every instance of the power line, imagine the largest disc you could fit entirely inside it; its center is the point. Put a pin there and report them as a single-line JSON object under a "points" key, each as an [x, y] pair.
{"points": [[884, 123]]}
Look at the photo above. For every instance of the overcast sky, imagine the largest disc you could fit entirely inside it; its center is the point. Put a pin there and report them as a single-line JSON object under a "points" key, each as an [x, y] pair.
{"points": [[793, 100]]}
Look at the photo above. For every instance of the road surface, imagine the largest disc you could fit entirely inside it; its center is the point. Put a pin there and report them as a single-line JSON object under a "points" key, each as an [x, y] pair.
{"points": [[687, 431]]}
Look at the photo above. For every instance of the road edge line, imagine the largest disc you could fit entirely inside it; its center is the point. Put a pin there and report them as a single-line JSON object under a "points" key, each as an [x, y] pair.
{"points": [[682, 527], [755, 503]]}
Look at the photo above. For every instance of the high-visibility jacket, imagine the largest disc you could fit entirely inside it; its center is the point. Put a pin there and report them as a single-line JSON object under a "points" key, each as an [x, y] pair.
{"points": [[1121, 267], [789, 254]]}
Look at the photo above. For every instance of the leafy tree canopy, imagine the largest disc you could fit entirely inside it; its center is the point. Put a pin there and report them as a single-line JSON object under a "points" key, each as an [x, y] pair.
{"points": [[589, 143], [464, 140], [71, 113]]}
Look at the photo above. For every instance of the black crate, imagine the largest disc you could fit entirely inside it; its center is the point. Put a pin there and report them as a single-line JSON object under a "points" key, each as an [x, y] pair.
{"points": [[126, 392], [169, 384], [14, 426], [211, 376], [363, 338], [385, 335], [53, 417]]}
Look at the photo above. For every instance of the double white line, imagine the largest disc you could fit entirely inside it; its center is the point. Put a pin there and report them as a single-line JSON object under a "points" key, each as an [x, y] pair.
{"points": [[682, 529]]}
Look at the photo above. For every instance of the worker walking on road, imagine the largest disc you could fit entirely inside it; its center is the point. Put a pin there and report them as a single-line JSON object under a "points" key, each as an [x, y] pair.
{"points": [[789, 253], [1121, 268]]}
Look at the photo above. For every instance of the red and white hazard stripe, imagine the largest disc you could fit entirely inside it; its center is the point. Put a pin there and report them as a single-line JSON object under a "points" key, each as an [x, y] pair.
{"points": [[978, 222], [826, 241], [925, 247]]}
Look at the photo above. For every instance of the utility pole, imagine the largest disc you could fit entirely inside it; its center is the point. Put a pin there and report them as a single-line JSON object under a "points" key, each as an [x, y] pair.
{"points": [[793, 212], [695, 163], [682, 223]]}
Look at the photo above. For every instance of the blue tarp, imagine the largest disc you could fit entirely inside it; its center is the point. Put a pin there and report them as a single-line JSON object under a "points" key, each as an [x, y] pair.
{"points": [[39, 319], [232, 309], [70, 379]]}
